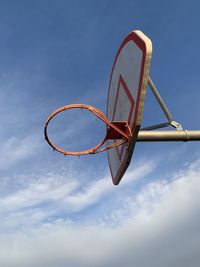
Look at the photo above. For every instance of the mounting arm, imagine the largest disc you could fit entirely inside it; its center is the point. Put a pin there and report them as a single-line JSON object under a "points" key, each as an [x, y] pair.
{"points": [[157, 136], [146, 135]]}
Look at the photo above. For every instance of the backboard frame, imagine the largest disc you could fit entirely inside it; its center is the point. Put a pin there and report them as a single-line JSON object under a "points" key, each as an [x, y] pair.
{"points": [[144, 44]]}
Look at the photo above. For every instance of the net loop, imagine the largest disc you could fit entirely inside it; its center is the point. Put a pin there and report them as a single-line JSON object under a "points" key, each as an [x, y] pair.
{"points": [[114, 131]]}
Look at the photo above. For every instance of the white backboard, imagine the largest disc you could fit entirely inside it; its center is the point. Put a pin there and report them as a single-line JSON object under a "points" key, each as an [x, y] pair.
{"points": [[127, 89]]}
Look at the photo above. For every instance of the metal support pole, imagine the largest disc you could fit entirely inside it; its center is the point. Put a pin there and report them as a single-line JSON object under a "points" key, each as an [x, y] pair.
{"points": [[160, 100], [158, 136], [163, 106]]}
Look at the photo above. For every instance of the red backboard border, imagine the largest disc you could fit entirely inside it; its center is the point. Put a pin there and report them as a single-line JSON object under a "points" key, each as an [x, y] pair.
{"points": [[134, 37]]}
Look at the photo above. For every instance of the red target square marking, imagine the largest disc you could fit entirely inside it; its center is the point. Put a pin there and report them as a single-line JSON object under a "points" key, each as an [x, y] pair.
{"points": [[123, 92]]}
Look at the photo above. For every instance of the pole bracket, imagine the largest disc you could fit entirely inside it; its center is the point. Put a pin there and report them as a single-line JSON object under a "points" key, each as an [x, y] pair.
{"points": [[165, 110], [113, 134]]}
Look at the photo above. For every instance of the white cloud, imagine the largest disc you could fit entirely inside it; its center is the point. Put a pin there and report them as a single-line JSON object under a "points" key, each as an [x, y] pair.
{"points": [[36, 201], [14, 150], [160, 229], [98, 189], [41, 198]]}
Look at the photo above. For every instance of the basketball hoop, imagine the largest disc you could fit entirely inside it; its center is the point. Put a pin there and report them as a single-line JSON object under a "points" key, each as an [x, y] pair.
{"points": [[127, 89], [115, 130]]}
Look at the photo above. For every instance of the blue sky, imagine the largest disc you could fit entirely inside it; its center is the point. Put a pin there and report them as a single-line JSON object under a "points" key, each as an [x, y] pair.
{"points": [[58, 211]]}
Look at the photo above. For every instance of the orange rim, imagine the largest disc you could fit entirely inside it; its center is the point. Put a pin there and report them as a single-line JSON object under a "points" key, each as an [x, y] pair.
{"points": [[96, 149]]}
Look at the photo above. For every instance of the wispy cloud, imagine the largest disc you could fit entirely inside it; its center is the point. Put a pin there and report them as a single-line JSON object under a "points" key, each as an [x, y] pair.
{"points": [[15, 149], [44, 198], [162, 229]]}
